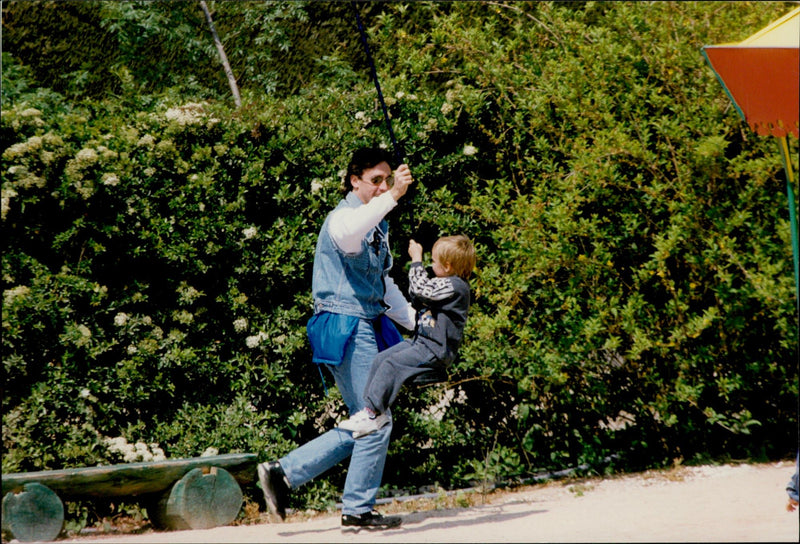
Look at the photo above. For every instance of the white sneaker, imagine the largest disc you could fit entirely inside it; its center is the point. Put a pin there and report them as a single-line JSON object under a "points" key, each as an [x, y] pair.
{"points": [[361, 424], [355, 420]]}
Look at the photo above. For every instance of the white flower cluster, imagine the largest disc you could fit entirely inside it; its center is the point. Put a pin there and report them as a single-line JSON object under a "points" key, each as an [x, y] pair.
{"points": [[255, 340], [183, 317], [7, 195], [623, 420], [437, 410], [132, 453], [85, 159], [211, 451], [10, 295], [30, 156], [85, 189], [401, 95], [121, 319], [80, 334], [363, 118], [26, 117], [31, 112], [35, 147], [106, 153], [110, 179], [250, 232], [240, 325], [470, 150], [146, 141], [188, 114], [19, 150], [186, 293]]}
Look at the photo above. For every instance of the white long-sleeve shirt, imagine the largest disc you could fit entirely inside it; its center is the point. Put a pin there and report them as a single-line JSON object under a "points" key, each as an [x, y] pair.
{"points": [[347, 228]]}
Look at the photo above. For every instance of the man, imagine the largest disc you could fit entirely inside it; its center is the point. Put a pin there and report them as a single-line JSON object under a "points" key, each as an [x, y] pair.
{"points": [[353, 293]]}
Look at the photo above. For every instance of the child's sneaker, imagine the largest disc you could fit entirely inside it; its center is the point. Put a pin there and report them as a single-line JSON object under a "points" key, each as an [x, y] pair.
{"points": [[363, 423]]}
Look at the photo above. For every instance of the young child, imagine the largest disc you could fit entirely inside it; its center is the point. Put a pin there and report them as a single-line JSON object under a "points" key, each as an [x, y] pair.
{"points": [[442, 304]]}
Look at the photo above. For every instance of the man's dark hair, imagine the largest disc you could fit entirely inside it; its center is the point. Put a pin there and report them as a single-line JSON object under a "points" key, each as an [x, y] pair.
{"points": [[363, 159]]}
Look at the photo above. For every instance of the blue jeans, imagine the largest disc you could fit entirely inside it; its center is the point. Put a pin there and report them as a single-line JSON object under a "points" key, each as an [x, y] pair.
{"points": [[367, 454]]}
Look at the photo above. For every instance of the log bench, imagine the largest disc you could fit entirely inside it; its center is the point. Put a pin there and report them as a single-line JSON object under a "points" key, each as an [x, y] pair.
{"points": [[194, 493]]}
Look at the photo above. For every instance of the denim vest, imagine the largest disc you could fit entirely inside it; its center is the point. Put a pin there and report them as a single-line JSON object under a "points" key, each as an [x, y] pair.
{"points": [[351, 284]]}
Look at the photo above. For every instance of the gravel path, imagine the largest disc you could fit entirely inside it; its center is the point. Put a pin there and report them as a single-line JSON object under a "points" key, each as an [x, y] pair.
{"points": [[727, 503]]}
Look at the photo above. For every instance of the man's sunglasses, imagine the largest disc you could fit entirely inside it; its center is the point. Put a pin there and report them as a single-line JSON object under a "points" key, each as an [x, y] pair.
{"points": [[377, 180]]}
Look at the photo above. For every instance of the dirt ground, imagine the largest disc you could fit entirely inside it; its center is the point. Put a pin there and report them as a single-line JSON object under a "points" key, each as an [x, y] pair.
{"points": [[727, 503]]}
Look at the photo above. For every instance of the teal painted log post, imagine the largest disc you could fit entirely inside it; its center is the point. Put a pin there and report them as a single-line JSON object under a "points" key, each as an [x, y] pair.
{"points": [[33, 514], [202, 499]]}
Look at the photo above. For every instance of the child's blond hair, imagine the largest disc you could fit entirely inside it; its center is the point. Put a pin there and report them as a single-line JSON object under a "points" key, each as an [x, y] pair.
{"points": [[458, 252]]}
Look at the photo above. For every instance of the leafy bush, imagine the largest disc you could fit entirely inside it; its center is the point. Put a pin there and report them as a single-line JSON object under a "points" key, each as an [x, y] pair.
{"points": [[634, 293]]}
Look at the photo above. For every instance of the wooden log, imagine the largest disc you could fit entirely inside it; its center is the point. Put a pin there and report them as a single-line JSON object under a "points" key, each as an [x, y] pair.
{"points": [[130, 479], [202, 499], [33, 514]]}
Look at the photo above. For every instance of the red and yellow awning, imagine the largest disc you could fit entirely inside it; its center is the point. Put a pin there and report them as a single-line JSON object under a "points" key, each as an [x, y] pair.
{"points": [[762, 75]]}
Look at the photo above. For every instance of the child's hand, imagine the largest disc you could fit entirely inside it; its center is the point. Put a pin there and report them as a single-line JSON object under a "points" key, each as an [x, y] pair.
{"points": [[415, 251]]}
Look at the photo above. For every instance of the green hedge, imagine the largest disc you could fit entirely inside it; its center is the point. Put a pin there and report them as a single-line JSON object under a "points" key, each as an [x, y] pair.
{"points": [[634, 294]]}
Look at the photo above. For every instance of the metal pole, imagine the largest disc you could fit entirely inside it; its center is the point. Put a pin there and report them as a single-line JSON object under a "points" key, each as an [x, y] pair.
{"points": [[787, 166]]}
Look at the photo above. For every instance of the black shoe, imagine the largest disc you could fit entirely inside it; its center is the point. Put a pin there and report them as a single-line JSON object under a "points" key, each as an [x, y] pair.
{"points": [[275, 487], [369, 520]]}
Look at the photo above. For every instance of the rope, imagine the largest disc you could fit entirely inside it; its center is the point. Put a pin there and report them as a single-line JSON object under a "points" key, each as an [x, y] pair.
{"points": [[398, 154]]}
